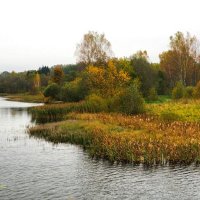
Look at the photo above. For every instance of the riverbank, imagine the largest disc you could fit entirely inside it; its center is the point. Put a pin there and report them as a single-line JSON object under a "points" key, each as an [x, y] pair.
{"points": [[133, 139], [24, 97]]}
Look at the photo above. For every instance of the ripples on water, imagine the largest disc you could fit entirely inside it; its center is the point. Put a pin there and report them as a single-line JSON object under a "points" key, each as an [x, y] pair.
{"points": [[34, 169]]}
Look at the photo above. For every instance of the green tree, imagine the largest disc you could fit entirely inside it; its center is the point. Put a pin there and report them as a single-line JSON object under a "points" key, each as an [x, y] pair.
{"points": [[144, 71]]}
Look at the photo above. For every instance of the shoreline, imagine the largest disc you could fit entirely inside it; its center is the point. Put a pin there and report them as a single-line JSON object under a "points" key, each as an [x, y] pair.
{"points": [[23, 97]]}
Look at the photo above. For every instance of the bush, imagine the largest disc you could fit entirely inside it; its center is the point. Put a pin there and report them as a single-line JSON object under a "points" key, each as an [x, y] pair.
{"points": [[95, 103], [153, 96], [189, 92], [129, 101], [53, 91], [196, 92], [72, 92], [178, 91]]}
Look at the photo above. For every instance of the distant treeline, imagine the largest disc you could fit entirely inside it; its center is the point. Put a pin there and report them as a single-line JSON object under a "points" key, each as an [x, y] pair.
{"points": [[100, 75]]}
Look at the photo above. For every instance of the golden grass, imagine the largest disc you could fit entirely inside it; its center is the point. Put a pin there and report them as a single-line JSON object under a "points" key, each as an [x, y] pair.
{"points": [[135, 139]]}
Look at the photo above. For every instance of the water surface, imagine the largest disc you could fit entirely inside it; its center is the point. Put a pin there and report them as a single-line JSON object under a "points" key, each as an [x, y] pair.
{"points": [[34, 169]]}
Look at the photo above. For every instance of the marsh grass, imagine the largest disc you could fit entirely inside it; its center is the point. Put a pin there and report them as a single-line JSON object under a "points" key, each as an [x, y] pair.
{"points": [[52, 112], [58, 112], [134, 139]]}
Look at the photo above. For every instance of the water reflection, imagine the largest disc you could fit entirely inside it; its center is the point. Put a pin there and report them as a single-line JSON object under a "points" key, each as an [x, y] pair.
{"points": [[34, 169]]}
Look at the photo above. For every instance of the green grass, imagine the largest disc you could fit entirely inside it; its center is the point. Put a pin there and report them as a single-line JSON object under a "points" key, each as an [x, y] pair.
{"points": [[183, 110]]}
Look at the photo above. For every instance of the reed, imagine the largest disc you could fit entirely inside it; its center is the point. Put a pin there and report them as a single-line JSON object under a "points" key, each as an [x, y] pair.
{"points": [[52, 112], [57, 112], [134, 139]]}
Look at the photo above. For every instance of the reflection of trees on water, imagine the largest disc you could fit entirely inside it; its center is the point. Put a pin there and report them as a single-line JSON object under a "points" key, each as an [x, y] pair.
{"points": [[13, 112]]}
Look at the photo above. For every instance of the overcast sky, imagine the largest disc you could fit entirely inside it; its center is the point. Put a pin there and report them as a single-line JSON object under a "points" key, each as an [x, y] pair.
{"points": [[45, 32]]}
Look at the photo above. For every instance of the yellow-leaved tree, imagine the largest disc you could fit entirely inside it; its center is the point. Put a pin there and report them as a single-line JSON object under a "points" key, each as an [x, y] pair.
{"points": [[58, 74], [104, 81]]}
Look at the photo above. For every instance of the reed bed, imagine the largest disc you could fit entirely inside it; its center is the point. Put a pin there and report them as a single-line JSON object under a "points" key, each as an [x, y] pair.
{"points": [[57, 112], [135, 139], [52, 112]]}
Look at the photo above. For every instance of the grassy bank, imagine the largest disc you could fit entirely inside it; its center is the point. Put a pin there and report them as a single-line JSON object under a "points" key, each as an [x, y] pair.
{"points": [[138, 139], [25, 97], [169, 111]]}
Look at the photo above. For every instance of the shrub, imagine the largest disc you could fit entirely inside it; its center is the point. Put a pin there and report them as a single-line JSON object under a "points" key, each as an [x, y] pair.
{"points": [[189, 90], [129, 101], [53, 91], [95, 103], [153, 96], [178, 91], [72, 92], [196, 92]]}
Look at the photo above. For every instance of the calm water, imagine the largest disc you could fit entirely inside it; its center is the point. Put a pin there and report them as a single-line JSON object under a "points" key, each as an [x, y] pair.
{"points": [[37, 170]]}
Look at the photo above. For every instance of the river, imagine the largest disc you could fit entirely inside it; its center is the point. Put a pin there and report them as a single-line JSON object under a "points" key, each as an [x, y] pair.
{"points": [[34, 169]]}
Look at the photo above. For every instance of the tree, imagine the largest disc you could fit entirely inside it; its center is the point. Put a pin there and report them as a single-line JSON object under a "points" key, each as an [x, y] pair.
{"points": [[180, 62], [143, 70], [58, 74], [125, 65], [44, 70], [186, 49], [169, 66], [104, 81], [36, 83], [95, 49]]}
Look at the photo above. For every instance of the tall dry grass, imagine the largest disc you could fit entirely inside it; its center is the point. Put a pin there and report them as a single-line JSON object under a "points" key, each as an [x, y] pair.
{"points": [[135, 139]]}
